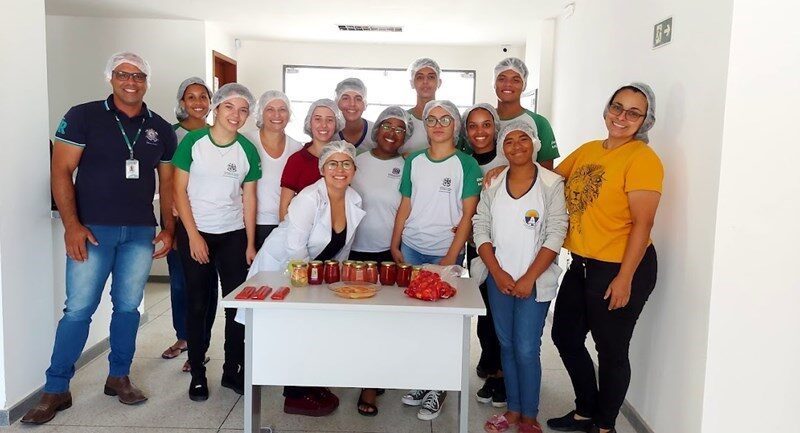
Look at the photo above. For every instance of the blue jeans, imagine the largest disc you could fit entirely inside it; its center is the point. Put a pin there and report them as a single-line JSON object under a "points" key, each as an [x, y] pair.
{"points": [[519, 324], [126, 253], [414, 257], [177, 293]]}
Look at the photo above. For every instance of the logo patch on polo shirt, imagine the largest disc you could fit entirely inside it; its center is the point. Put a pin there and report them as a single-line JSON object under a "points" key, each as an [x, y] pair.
{"points": [[62, 127], [395, 173], [152, 136], [446, 185]]}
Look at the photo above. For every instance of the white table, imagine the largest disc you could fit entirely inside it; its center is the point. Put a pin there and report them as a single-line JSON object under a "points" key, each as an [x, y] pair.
{"points": [[315, 338]]}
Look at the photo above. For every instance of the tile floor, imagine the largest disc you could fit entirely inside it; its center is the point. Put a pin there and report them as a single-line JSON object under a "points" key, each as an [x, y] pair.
{"points": [[169, 409]]}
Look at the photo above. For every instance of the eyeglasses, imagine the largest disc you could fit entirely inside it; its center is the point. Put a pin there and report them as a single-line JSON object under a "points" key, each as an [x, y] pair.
{"points": [[444, 121], [630, 115], [138, 77], [396, 129], [333, 164]]}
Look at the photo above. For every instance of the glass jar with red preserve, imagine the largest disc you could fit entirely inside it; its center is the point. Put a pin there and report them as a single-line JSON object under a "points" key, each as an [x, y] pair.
{"points": [[388, 273], [315, 273], [359, 273], [415, 270], [331, 273], [403, 275], [371, 272], [347, 270]]}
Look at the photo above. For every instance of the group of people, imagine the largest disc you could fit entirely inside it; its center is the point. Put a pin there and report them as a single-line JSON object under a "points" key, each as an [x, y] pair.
{"points": [[424, 185]]}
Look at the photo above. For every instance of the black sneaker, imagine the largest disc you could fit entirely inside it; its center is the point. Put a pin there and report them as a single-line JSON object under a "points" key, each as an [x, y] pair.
{"points": [[234, 382], [499, 394], [484, 395], [198, 389], [481, 372], [569, 423]]}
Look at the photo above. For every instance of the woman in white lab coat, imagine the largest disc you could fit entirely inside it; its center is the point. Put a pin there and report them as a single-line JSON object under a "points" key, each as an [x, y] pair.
{"points": [[319, 225]]}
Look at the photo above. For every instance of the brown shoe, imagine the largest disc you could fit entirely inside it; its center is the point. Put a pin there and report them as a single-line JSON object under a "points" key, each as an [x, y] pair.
{"points": [[48, 405], [124, 389]]}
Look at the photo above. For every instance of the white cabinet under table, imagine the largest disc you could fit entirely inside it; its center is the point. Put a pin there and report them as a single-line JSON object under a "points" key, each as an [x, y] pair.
{"points": [[315, 338]]}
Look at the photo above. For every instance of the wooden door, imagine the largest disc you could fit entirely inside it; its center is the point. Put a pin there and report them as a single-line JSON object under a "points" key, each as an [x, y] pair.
{"points": [[224, 70]]}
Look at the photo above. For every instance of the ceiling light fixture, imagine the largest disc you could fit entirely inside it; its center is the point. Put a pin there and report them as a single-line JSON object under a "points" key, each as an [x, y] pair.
{"points": [[368, 28]]}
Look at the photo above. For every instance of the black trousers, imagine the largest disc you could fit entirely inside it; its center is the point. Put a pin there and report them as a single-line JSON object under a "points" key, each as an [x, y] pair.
{"points": [[227, 258], [580, 309], [490, 345], [381, 256], [262, 232]]}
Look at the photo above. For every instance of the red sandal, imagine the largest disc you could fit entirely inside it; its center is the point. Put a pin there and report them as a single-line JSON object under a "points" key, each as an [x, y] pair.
{"points": [[497, 424]]}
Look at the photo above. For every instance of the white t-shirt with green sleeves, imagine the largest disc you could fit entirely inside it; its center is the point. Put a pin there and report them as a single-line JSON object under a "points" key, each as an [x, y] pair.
{"points": [[216, 174], [436, 189]]}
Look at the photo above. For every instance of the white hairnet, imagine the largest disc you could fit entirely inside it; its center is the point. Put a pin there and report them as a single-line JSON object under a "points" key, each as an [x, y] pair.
{"points": [[424, 62], [512, 64], [451, 109], [492, 112], [327, 103], [394, 112], [520, 125], [334, 147], [117, 59], [266, 98], [351, 85], [180, 111], [650, 117], [230, 91]]}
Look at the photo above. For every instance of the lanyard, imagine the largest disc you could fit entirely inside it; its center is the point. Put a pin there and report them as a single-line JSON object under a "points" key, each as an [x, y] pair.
{"points": [[125, 135]]}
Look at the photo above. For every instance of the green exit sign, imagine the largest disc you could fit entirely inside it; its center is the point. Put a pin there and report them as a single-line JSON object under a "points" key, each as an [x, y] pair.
{"points": [[662, 33]]}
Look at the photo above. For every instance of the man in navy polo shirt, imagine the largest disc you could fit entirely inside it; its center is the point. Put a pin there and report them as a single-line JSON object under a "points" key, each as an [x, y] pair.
{"points": [[118, 147]]}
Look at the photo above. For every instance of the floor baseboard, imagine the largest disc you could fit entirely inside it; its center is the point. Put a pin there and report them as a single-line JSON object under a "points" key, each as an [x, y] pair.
{"points": [[14, 413]]}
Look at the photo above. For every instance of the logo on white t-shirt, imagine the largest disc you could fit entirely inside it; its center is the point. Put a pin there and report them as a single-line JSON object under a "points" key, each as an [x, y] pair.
{"points": [[231, 171], [531, 218], [395, 173], [446, 185]]}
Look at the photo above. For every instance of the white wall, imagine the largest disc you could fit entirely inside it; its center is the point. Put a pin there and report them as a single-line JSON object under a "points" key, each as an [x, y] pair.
{"points": [[78, 48], [216, 39], [753, 353], [26, 295], [260, 63], [603, 45]]}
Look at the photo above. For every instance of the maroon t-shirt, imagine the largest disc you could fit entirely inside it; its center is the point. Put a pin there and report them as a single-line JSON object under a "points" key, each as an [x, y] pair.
{"points": [[301, 170]]}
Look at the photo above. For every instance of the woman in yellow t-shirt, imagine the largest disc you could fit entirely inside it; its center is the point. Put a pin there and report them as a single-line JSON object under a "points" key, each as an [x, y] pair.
{"points": [[612, 191]]}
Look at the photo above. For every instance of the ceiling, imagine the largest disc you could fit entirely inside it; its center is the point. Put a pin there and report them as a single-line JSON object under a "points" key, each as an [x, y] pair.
{"points": [[456, 22]]}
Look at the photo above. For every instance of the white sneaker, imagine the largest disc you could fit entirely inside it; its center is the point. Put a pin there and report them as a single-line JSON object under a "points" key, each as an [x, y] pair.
{"points": [[414, 397], [431, 405]]}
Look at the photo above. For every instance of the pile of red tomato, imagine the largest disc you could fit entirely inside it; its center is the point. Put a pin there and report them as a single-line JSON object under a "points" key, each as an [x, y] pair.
{"points": [[429, 286]]}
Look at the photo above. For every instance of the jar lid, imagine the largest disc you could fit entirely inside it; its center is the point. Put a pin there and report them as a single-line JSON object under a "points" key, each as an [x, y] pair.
{"points": [[315, 263], [331, 262], [370, 264], [387, 263], [403, 266], [359, 266]]}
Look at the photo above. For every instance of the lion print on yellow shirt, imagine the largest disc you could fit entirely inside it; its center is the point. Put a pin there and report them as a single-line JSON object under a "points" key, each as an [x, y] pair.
{"points": [[583, 187]]}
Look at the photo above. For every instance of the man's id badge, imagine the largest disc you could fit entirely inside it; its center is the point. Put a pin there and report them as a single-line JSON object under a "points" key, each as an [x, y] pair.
{"points": [[131, 169]]}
